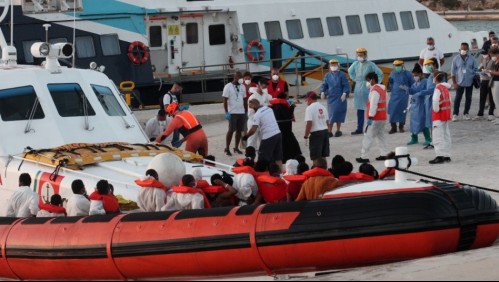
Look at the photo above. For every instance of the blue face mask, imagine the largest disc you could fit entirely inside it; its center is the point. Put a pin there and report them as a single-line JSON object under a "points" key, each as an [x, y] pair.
{"points": [[398, 69], [429, 68]]}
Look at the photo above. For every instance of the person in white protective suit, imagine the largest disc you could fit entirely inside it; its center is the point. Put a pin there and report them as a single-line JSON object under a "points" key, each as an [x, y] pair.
{"points": [[24, 202]]}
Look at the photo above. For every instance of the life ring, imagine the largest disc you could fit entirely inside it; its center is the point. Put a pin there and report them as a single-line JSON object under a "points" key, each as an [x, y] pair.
{"points": [[258, 44], [138, 52]]}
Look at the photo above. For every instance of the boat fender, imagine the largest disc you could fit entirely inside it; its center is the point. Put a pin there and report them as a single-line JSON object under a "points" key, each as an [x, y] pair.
{"points": [[138, 52], [249, 54]]}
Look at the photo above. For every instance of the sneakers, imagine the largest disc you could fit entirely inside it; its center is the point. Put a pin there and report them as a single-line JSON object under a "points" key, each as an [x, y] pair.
{"points": [[440, 160], [330, 134], [362, 161], [491, 118], [338, 134], [227, 152], [447, 159], [236, 151], [455, 118], [467, 117], [381, 158], [478, 118], [357, 132]]}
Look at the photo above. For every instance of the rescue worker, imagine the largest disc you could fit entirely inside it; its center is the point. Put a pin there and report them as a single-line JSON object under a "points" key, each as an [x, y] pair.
{"points": [[441, 118], [156, 125], [319, 181], [78, 204], [102, 201], [358, 71], [249, 84], [277, 85], [172, 96], [317, 122], [152, 196], [190, 128], [260, 93], [23, 202], [186, 196], [234, 98], [399, 81], [376, 120], [52, 209], [417, 108], [463, 72], [336, 88]]}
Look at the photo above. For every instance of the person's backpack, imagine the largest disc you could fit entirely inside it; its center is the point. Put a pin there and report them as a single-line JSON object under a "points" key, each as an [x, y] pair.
{"points": [[161, 99]]}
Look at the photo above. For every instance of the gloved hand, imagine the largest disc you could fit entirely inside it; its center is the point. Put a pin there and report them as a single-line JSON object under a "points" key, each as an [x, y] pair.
{"points": [[404, 87], [291, 102], [323, 95], [227, 116], [178, 143], [369, 122], [183, 107], [343, 97]]}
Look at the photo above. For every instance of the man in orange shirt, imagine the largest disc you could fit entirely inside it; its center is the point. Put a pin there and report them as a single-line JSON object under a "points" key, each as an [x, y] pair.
{"points": [[319, 182]]}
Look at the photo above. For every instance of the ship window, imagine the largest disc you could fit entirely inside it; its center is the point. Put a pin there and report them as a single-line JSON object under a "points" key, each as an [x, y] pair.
{"points": [[294, 29], [110, 44], [353, 24], [334, 26], [273, 30], [58, 40], [372, 23], [422, 17], [407, 20], [70, 100], [108, 101], [18, 104], [251, 32], [85, 47], [390, 21], [155, 36], [28, 58], [315, 28], [191, 33], [217, 34]]}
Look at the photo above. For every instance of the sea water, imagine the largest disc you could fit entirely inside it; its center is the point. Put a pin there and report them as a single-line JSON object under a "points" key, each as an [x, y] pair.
{"points": [[477, 25]]}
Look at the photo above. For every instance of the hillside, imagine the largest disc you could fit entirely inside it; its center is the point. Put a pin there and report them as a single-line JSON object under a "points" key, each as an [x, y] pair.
{"points": [[472, 5]]}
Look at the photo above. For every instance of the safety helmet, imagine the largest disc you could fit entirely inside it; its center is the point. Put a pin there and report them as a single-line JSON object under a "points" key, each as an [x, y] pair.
{"points": [[333, 61], [172, 108], [361, 50], [428, 62], [398, 62]]}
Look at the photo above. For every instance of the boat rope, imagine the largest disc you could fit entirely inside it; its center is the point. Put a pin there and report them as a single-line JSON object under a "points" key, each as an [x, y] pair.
{"points": [[55, 173]]}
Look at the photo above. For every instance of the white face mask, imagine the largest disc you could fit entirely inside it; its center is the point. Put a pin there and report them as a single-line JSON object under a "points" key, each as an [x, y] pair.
{"points": [[360, 59], [162, 123], [368, 84], [463, 52], [240, 81], [275, 77], [494, 59], [485, 56], [334, 68], [431, 47], [247, 82], [416, 78]]}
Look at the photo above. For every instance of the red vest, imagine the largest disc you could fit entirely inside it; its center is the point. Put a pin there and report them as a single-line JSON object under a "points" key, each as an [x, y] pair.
{"points": [[280, 102], [357, 176], [109, 202], [279, 89], [190, 124], [52, 209], [249, 170], [445, 106], [273, 189], [381, 110], [191, 190]]}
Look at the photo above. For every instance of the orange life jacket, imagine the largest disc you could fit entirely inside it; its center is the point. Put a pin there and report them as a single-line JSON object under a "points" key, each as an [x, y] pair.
{"points": [[249, 170], [445, 105], [317, 171], [190, 124], [191, 190], [356, 176], [240, 162], [213, 189], [381, 110], [109, 202], [280, 102], [387, 173], [279, 89], [201, 184], [294, 185], [273, 189], [51, 208], [150, 183]]}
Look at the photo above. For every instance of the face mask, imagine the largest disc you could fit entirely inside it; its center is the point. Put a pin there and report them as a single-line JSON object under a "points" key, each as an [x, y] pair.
{"points": [[240, 81], [162, 123], [334, 68], [485, 56], [431, 47], [360, 59], [247, 82], [463, 52], [494, 59], [416, 78], [398, 69], [275, 77], [429, 68], [368, 84]]}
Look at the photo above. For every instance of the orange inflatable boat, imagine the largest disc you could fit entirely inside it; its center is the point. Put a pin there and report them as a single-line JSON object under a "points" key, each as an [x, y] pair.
{"points": [[345, 230]]}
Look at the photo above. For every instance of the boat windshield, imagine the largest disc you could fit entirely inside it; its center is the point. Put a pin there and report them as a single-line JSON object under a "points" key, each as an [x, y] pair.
{"points": [[17, 104], [108, 100], [70, 100]]}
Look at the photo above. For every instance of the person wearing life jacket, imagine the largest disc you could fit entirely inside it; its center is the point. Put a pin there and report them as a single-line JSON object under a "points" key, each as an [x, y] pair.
{"points": [[319, 182], [441, 118], [367, 173], [376, 115], [52, 209], [152, 196], [23, 202], [221, 192], [272, 188], [277, 85], [102, 201], [186, 196], [294, 179], [249, 156], [189, 127], [78, 204]]}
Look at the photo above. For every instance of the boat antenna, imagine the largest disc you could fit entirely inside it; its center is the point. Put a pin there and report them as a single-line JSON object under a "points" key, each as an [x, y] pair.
{"points": [[11, 22], [73, 61], [46, 26]]}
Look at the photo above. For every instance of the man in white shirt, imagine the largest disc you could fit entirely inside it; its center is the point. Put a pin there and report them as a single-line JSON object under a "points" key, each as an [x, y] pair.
{"points": [[234, 95], [431, 52], [376, 114], [317, 120], [78, 204], [171, 96], [156, 125], [24, 202], [260, 93], [271, 146]]}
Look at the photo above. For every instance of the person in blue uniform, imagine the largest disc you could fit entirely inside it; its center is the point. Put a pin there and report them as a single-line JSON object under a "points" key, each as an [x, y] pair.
{"points": [[417, 108], [399, 82], [336, 88], [358, 71]]}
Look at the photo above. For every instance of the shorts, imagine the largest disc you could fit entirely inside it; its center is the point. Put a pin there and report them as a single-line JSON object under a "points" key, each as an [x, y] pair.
{"points": [[319, 144], [236, 122], [271, 149]]}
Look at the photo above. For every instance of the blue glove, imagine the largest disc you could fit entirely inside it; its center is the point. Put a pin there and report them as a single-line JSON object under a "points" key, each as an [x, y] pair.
{"points": [[227, 116], [183, 107], [177, 143], [369, 122], [291, 102]]}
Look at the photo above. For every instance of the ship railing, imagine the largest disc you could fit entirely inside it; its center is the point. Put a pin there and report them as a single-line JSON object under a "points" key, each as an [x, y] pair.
{"points": [[49, 6]]}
